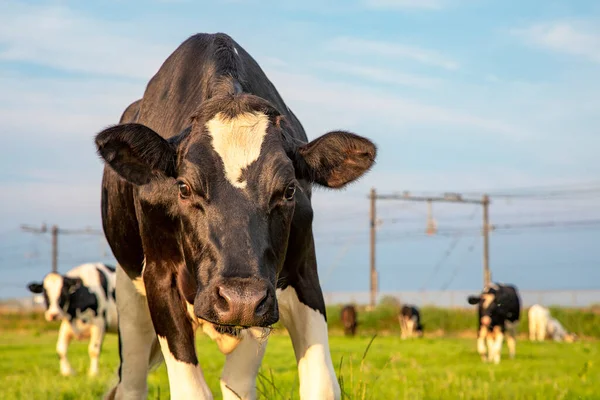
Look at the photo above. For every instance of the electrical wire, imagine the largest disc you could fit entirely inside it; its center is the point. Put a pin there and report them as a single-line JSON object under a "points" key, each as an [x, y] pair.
{"points": [[446, 254]]}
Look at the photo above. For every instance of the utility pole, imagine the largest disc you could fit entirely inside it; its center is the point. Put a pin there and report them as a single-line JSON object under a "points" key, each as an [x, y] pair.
{"points": [[373, 218], [487, 275], [55, 232], [448, 198]]}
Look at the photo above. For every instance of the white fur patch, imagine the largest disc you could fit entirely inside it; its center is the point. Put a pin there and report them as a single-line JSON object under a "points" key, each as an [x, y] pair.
{"points": [[139, 285], [308, 331], [238, 142], [53, 284], [487, 300], [186, 381], [238, 379]]}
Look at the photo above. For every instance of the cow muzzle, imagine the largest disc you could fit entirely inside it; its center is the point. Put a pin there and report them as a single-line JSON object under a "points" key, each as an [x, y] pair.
{"points": [[52, 316], [486, 320], [243, 302]]}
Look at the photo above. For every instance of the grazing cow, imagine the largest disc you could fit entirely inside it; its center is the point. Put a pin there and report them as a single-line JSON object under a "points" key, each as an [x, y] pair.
{"points": [[410, 322], [206, 204], [542, 325], [499, 311], [348, 317], [84, 299]]}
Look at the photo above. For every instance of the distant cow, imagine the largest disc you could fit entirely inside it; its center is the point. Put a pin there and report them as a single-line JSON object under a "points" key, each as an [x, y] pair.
{"points": [[499, 311], [84, 299], [348, 317], [542, 325], [410, 322]]}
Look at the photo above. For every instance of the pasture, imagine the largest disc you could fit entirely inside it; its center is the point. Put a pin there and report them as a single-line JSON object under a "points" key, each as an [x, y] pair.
{"points": [[390, 368]]}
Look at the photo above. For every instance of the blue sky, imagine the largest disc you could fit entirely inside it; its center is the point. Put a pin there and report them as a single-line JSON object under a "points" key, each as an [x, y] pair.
{"points": [[458, 94]]}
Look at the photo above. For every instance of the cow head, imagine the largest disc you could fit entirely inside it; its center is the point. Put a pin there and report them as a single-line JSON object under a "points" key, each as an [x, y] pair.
{"points": [[57, 290], [571, 337], [488, 305], [233, 184]]}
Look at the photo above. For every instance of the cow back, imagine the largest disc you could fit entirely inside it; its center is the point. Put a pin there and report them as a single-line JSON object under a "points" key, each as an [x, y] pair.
{"points": [[195, 72]]}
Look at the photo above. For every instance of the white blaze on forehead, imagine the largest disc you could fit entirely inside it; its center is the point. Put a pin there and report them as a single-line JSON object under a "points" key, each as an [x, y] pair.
{"points": [[487, 300], [53, 284], [238, 142]]}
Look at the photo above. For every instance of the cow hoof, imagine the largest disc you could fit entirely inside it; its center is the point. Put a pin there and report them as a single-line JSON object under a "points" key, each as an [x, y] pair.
{"points": [[67, 372], [92, 373]]}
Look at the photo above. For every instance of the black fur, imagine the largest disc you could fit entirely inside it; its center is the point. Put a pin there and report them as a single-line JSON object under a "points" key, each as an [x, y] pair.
{"points": [[80, 301], [103, 282]]}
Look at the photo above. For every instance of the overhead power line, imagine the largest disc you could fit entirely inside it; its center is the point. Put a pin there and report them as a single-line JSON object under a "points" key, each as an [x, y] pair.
{"points": [[55, 231], [484, 201]]}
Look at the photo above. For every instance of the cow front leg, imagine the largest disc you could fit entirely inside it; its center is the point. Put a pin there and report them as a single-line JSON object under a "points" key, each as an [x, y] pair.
{"points": [[176, 335], [496, 345], [542, 329], [65, 335], [402, 327], [138, 346], [481, 343], [532, 329], [308, 330], [96, 337], [511, 338], [238, 380]]}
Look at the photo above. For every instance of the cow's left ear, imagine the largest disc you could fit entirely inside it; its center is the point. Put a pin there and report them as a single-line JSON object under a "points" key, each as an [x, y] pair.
{"points": [[35, 287], [335, 159], [72, 284], [473, 299]]}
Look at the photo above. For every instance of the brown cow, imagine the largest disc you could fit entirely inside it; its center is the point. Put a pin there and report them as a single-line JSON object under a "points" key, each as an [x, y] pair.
{"points": [[348, 317]]}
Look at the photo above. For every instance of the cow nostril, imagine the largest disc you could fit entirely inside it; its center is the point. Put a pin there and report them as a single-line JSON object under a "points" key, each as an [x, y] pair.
{"points": [[262, 304], [223, 299]]}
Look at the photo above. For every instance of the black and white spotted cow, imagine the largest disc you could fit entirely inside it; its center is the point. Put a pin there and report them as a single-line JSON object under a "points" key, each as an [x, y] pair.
{"points": [[84, 299], [499, 309], [206, 204], [410, 322]]}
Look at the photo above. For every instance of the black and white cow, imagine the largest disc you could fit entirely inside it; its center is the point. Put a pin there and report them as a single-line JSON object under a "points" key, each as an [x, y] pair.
{"points": [[410, 322], [206, 204], [499, 311], [84, 299]]}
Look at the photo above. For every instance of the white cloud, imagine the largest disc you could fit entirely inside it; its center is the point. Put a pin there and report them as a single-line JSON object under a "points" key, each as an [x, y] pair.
{"points": [[57, 37], [381, 75], [564, 37], [357, 46], [405, 4]]}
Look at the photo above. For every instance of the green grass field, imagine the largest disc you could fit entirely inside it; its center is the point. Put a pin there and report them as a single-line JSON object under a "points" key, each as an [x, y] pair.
{"points": [[429, 368]]}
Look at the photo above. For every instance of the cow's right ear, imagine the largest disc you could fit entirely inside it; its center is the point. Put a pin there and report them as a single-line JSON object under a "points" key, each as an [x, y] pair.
{"points": [[35, 287], [136, 152], [473, 299]]}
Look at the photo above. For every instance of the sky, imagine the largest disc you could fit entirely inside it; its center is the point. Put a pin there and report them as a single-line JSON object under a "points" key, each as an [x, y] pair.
{"points": [[459, 95]]}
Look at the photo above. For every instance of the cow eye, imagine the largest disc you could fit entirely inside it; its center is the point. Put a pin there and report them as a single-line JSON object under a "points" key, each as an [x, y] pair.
{"points": [[290, 191], [184, 190]]}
